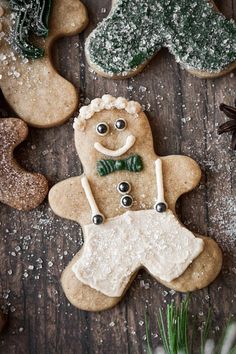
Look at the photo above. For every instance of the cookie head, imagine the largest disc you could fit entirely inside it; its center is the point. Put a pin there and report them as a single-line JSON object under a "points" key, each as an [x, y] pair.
{"points": [[111, 128]]}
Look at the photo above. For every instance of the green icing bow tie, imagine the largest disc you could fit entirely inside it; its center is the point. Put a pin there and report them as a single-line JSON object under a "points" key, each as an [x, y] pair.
{"points": [[133, 163]]}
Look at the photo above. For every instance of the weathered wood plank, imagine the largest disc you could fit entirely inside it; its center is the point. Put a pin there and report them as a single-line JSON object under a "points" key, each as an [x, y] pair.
{"points": [[184, 115]]}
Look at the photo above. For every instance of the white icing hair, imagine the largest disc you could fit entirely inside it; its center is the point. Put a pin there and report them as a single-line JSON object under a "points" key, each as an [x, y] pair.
{"points": [[106, 102]]}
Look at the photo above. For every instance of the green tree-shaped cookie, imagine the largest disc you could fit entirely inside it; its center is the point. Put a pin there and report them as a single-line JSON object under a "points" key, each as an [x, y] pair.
{"points": [[31, 17], [200, 38]]}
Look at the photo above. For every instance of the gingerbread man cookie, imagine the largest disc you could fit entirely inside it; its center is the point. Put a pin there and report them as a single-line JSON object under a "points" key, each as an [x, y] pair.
{"points": [[125, 203], [30, 84], [18, 188], [201, 39]]}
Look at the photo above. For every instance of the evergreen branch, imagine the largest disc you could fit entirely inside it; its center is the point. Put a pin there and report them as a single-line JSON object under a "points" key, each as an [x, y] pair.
{"points": [[176, 335]]}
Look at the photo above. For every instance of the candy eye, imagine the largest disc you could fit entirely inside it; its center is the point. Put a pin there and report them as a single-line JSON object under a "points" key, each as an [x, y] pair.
{"points": [[102, 128], [120, 124]]}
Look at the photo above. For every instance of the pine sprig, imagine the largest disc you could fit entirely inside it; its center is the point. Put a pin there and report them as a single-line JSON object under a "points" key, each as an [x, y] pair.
{"points": [[149, 348], [174, 332], [206, 331], [177, 332]]}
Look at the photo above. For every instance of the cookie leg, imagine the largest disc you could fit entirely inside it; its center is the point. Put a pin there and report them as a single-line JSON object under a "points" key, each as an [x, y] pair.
{"points": [[203, 271], [204, 42], [33, 88], [118, 50], [83, 296], [68, 17]]}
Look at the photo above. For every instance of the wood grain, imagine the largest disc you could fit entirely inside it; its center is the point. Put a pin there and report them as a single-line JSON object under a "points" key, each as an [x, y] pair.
{"points": [[36, 246]]}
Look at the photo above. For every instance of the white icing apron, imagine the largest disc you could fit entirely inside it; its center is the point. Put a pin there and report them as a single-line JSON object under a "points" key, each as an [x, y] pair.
{"points": [[114, 250]]}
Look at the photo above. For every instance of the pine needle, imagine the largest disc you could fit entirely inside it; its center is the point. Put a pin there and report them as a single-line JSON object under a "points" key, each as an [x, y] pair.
{"points": [[174, 333], [177, 337], [149, 348], [162, 330], [228, 339], [206, 330]]}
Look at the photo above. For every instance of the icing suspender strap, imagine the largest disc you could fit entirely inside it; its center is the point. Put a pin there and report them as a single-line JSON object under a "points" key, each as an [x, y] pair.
{"points": [[161, 204], [97, 216]]}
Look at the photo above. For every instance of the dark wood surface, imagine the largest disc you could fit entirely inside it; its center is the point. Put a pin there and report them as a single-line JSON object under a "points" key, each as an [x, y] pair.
{"points": [[36, 246]]}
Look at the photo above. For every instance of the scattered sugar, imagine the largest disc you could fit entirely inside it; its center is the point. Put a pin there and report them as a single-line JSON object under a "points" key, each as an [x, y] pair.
{"points": [[37, 254]]}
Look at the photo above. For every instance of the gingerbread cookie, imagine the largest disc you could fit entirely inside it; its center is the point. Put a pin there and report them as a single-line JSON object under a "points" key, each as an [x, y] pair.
{"points": [[30, 84], [18, 188], [125, 203], [201, 39]]}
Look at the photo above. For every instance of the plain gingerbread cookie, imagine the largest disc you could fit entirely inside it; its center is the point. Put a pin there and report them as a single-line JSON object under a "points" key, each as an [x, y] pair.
{"points": [[32, 87], [201, 39], [19, 189], [125, 202]]}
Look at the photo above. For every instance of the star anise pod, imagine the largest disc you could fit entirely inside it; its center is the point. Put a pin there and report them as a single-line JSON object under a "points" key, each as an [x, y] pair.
{"points": [[230, 125]]}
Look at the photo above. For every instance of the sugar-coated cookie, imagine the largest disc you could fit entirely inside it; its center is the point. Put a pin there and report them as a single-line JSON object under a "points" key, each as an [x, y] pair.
{"points": [[201, 39], [30, 84], [125, 203], [19, 189]]}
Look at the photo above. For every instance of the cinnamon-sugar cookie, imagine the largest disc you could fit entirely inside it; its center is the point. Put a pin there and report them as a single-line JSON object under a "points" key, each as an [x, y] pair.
{"points": [[18, 188]]}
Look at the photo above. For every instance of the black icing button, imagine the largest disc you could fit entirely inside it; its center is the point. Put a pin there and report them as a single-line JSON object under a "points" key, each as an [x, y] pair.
{"points": [[120, 124], [161, 207], [124, 187], [126, 201], [98, 219], [102, 128]]}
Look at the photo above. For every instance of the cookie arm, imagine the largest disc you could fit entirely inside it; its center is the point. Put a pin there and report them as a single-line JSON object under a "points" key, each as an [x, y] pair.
{"points": [[68, 18], [68, 200], [181, 175]]}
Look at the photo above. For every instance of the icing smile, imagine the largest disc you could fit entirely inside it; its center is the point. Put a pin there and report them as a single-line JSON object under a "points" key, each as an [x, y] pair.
{"points": [[119, 152]]}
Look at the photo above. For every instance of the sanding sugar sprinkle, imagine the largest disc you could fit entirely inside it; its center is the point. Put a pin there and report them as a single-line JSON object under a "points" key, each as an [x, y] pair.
{"points": [[198, 36]]}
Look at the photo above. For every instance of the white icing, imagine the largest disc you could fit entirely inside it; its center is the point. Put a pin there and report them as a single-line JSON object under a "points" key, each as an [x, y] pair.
{"points": [[90, 197], [133, 107], [160, 183], [97, 105], [107, 102], [116, 249], [121, 103], [119, 152]]}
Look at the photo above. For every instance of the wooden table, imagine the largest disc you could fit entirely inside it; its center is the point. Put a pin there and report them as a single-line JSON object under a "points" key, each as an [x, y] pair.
{"points": [[36, 246]]}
